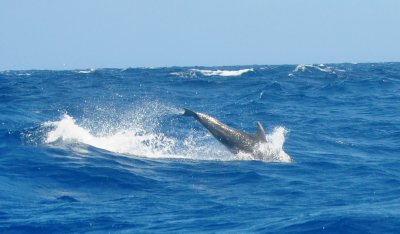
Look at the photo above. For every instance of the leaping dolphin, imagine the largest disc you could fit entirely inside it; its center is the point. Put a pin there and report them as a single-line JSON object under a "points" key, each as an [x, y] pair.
{"points": [[235, 140]]}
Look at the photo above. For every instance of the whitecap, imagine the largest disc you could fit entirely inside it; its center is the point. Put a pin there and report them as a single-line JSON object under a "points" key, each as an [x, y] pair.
{"points": [[186, 74], [86, 71], [24, 74], [319, 67], [191, 73], [223, 72]]}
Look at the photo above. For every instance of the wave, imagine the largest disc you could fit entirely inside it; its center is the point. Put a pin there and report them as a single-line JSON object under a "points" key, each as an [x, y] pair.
{"points": [[141, 141], [86, 71], [223, 72], [227, 73], [23, 74], [316, 67]]}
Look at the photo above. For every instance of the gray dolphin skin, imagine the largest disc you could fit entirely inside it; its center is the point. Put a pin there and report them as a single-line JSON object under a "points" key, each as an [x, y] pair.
{"points": [[235, 140]]}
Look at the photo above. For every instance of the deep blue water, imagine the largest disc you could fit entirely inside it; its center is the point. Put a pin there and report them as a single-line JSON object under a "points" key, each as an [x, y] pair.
{"points": [[107, 150]]}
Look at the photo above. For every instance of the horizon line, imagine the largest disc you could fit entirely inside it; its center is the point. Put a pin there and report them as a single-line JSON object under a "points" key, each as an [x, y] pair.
{"points": [[193, 66]]}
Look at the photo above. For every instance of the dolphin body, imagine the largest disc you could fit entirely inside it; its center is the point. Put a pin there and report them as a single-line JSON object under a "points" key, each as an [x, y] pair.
{"points": [[235, 140]]}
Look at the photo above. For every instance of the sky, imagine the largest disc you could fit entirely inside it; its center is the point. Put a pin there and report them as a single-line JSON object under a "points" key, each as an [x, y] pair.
{"points": [[76, 34]]}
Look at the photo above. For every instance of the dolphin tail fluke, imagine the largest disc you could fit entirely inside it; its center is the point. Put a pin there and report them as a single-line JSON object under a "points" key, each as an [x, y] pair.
{"points": [[189, 113]]}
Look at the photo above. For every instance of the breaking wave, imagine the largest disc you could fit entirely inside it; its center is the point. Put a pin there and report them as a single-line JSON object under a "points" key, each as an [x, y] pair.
{"points": [[204, 72], [86, 71], [314, 67]]}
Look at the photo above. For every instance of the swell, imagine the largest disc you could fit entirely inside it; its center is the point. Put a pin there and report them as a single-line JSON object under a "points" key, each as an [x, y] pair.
{"points": [[56, 176]]}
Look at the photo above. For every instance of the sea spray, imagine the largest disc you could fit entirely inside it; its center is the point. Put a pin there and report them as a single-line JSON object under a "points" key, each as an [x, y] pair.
{"points": [[137, 140]]}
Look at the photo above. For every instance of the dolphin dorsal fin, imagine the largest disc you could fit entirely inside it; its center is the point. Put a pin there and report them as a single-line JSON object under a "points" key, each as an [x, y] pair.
{"points": [[260, 132]]}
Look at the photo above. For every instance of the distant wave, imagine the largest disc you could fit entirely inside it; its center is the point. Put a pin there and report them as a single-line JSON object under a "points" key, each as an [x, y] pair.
{"points": [[86, 71], [316, 67], [205, 72], [24, 74], [223, 72]]}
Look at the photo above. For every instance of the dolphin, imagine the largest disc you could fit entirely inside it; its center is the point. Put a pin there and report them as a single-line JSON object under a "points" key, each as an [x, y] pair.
{"points": [[235, 140]]}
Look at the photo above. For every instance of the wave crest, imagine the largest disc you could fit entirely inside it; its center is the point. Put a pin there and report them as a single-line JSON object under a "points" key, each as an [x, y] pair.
{"points": [[204, 72], [314, 67], [86, 71]]}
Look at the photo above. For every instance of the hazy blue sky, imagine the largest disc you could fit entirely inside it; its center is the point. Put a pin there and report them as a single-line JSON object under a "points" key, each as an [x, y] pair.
{"points": [[55, 34]]}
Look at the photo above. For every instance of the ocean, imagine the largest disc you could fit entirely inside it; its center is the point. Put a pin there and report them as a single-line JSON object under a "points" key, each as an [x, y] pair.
{"points": [[108, 150]]}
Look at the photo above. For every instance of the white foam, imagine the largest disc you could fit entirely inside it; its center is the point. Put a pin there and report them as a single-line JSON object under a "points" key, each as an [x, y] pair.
{"points": [[138, 141], [23, 74], [186, 74], [223, 72], [193, 72], [126, 141], [320, 67], [270, 151], [86, 71], [273, 149], [300, 68]]}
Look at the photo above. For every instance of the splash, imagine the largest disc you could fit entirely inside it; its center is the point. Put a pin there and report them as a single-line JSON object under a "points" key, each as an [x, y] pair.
{"points": [[270, 151], [273, 149], [134, 141], [140, 139]]}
